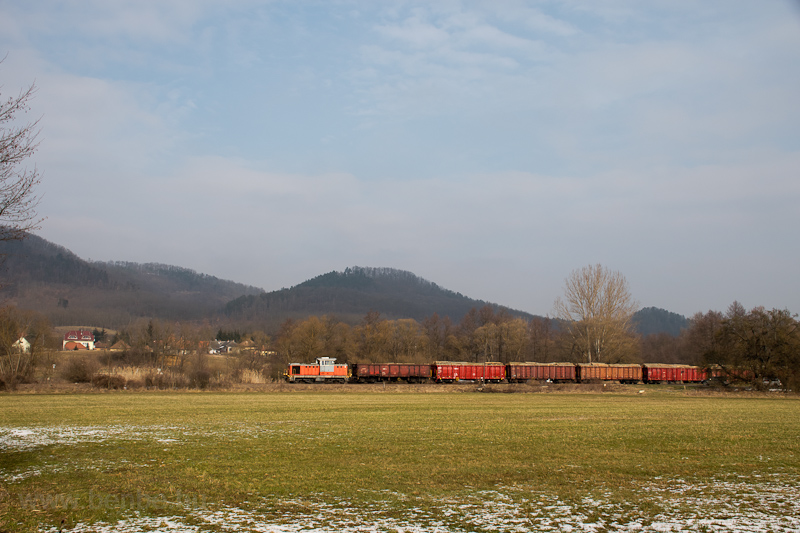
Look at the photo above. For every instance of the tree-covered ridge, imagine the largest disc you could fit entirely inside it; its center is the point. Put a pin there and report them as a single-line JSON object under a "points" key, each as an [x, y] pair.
{"points": [[181, 278], [374, 278], [352, 293], [37, 260], [48, 278], [651, 320]]}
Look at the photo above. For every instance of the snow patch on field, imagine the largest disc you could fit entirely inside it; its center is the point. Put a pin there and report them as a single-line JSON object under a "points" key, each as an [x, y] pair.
{"points": [[772, 506], [29, 438], [25, 439]]}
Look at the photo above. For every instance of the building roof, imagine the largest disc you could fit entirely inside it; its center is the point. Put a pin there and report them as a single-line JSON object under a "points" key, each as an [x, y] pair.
{"points": [[81, 335], [72, 345]]}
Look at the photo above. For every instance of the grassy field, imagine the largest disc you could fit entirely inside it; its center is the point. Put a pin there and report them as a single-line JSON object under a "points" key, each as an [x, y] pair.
{"points": [[665, 460]]}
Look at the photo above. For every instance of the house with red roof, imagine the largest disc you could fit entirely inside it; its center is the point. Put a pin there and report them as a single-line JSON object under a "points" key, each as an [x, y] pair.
{"points": [[78, 340]]}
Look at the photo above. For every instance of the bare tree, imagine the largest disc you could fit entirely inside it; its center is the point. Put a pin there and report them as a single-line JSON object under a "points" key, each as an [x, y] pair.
{"points": [[597, 314], [18, 360], [18, 141]]}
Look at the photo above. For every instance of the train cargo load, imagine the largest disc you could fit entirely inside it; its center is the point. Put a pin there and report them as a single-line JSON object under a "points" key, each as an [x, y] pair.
{"points": [[604, 372], [553, 372], [324, 370]]}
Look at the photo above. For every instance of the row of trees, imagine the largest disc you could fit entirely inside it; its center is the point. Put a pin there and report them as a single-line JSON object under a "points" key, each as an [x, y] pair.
{"points": [[761, 346], [482, 335]]}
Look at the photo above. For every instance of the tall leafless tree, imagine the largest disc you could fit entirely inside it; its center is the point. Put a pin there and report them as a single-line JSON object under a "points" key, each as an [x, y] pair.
{"points": [[597, 312], [18, 142]]}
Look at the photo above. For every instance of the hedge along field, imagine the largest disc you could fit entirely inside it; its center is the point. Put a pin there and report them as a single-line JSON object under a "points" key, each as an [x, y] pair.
{"points": [[353, 461]]}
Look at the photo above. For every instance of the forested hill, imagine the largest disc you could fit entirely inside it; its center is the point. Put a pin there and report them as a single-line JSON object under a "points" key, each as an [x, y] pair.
{"points": [[652, 320], [48, 278], [37, 274], [351, 294]]}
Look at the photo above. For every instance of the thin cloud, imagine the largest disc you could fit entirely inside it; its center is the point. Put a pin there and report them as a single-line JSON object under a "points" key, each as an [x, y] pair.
{"points": [[486, 146]]}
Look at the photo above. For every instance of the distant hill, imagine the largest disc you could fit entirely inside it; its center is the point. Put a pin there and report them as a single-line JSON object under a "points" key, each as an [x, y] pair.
{"points": [[37, 274], [652, 320], [351, 294]]}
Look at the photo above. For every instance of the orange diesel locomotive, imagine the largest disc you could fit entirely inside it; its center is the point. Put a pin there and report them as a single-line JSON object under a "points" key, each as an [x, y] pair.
{"points": [[325, 370]]}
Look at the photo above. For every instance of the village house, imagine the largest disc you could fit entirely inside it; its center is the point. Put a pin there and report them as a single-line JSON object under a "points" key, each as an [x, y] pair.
{"points": [[222, 347], [22, 345], [79, 340]]}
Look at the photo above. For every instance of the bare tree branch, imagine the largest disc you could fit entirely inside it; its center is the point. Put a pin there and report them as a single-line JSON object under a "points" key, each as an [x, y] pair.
{"points": [[18, 142]]}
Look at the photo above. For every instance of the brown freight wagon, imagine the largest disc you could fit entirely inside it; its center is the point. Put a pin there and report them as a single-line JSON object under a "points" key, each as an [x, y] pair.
{"points": [[555, 372], [604, 372], [449, 371], [372, 372], [728, 374], [659, 373]]}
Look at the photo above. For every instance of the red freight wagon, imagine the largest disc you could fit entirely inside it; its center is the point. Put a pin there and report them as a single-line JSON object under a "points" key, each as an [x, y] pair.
{"points": [[521, 372], [728, 375], [451, 371], [391, 372], [604, 372], [324, 370], [657, 373]]}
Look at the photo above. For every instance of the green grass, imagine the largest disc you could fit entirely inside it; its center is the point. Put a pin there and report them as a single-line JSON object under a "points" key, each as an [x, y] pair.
{"points": [[270, 451]]}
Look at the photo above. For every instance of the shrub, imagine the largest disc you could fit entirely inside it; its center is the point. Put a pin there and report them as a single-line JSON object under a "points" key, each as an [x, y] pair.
{"points": [[134, 383], [11, 381], [201, 378], [80, 369]]}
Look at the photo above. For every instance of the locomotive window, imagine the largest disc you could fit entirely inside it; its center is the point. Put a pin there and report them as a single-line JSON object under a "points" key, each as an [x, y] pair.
{"points": [[295, 370]]}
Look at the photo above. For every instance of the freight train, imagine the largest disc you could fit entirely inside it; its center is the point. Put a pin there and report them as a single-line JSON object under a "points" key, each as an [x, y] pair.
{"points": [[325, 370]]}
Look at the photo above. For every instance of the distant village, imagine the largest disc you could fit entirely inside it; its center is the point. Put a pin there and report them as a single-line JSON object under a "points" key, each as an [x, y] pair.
{"points": [[82, 339]]}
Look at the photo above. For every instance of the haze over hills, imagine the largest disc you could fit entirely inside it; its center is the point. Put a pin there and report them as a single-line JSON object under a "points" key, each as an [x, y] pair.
{"points": [[48, 278]]}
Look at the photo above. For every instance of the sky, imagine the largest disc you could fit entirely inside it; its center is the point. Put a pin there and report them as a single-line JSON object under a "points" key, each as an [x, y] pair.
{"points": [[491, 147]]}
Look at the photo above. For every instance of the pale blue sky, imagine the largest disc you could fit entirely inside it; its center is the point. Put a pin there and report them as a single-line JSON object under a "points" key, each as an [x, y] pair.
{"points": [[488, 146]]}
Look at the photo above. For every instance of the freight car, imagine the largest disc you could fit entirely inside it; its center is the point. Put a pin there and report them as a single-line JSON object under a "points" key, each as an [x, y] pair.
{"points": [[661, 373], [372, 372], [593, 372], [553, 372], [450, 372], [727, 375]]}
